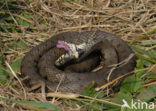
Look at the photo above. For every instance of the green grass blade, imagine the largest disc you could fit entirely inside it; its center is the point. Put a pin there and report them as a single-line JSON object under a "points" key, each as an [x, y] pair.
{"points": [[143, 36], [32, 103]]}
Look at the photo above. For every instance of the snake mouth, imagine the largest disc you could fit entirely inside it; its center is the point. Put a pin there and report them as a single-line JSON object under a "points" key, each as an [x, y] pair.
{"points": [[64, 45], [72, 49], [71, 53], [74, 53]]}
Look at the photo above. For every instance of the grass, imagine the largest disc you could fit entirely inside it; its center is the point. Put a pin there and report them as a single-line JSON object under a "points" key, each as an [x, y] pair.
{"points": [[26, 23]]}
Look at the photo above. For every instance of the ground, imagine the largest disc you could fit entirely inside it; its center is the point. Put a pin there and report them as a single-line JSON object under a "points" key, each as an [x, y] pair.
{"points": [[26, 23]]}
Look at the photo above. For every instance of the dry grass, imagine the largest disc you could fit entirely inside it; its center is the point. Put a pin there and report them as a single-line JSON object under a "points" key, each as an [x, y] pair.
{"points": [[128, 19]]}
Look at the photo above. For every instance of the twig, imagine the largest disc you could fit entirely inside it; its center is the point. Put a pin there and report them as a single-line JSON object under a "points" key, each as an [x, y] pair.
{"points": [[120, 64], [14, 74]]}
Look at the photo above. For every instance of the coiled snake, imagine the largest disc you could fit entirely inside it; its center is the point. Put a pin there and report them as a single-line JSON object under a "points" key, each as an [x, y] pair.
{"points": [[75, 75]]}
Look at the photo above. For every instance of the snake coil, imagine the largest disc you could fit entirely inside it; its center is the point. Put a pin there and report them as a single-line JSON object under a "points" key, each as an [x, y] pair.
{"points": [[39, 62]]}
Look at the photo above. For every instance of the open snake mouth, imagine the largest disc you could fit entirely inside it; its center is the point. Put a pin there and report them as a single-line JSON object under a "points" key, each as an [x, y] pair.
{"points": [[72, 53], [64, 45]]}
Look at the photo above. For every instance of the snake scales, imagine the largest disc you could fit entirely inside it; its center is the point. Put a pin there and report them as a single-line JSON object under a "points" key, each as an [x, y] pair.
{"points": [[39, 63]]}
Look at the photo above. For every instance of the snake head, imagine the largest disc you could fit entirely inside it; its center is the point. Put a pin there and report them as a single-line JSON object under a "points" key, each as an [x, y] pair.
{"points": [[74, 52]]}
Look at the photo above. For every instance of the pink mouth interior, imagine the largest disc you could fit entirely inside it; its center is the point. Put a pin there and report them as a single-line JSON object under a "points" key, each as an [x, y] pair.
{"points": [[62, 44]]}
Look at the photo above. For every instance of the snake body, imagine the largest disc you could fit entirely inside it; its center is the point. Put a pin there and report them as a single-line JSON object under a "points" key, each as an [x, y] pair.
{"points": [[39, 62]]}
